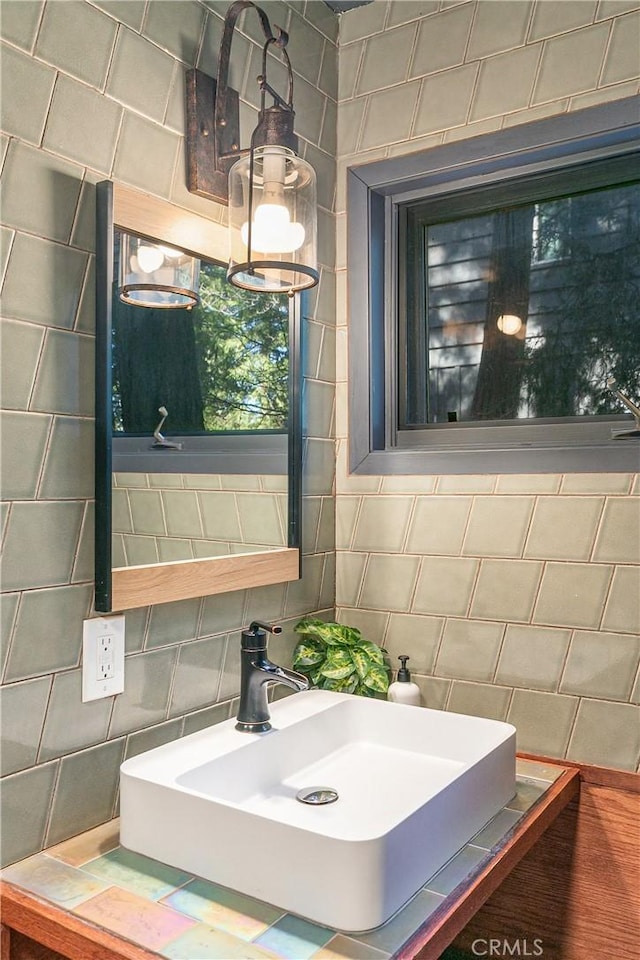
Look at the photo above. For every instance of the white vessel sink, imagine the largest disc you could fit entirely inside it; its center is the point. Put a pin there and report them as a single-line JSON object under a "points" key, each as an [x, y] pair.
{"points": [[413, 786]]}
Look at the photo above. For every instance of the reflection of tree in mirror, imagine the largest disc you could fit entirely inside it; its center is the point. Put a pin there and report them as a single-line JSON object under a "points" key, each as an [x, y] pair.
{"points": [[221, 366], [243, 355]]}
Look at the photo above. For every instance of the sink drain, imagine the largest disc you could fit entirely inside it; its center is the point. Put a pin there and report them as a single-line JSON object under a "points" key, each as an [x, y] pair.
{"points": [[317, 795]]}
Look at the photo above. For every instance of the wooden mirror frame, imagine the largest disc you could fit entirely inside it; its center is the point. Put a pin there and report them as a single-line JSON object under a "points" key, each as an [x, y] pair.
{"points": [[120, 207]]}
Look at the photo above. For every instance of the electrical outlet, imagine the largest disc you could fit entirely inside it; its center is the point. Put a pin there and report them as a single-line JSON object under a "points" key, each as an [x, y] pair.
{"points": [[102, 657]]}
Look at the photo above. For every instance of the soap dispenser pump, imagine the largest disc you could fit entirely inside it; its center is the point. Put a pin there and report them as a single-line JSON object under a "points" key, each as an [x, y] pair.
{"points": [[404, 690]]}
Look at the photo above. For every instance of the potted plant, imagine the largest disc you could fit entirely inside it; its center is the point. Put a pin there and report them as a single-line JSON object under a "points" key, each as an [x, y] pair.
{"points": [[333, 656]]}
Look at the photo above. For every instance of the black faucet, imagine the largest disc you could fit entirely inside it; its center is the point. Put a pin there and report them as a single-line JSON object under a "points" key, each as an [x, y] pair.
{"points": [[256, 671]]}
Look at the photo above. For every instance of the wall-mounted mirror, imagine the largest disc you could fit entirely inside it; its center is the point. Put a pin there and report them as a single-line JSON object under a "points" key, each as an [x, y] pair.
{"points": [[198, 442]]}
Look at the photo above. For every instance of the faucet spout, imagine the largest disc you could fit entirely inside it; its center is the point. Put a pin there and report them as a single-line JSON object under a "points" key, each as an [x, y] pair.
{"points": [[256, 673], [291, 679]]}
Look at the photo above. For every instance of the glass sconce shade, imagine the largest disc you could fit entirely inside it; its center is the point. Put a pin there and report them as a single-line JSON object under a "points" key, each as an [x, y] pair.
{"points": [[154, 275], [272, 222]]}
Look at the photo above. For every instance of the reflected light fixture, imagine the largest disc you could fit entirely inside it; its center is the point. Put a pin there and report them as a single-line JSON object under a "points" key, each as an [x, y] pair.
{"points": [[154, 275], [269, 189]]}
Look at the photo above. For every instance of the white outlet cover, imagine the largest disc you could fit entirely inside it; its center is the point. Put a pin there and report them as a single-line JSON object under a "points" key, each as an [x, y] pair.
{"points": [[93, 688]]}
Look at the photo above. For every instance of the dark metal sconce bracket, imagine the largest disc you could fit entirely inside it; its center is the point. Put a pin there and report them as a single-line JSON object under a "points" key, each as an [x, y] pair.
{"points": [[213, 112], [207, 165]]}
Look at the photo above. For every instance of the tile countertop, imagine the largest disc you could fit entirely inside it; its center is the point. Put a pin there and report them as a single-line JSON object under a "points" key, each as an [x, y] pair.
{"points": [[175, 915]]}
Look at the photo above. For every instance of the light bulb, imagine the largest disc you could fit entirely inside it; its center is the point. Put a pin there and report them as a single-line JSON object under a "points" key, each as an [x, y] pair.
{"points": [[509, 324], [272, 230], [149, 258]]}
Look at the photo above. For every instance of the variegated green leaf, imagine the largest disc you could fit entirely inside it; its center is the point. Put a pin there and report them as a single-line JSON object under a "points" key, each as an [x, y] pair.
{"points": [[316, 678], [343, 685], [373, 651], [308, 653], [349, 635], [377, 679], [361, 660], [321, 631], [307, 623], [337, 665]]}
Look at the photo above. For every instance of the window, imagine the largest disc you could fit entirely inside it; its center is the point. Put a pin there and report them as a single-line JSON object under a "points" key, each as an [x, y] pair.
{"points": [[498, 295], [525, 311]]}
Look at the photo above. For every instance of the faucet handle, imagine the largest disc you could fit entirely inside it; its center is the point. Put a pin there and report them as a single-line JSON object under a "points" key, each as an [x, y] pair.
{"points": [[255, 637], [257, 625]]}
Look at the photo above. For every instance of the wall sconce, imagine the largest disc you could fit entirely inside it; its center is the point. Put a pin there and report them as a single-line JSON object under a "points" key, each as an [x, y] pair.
{"points": [[154, 275], [269, 189]]}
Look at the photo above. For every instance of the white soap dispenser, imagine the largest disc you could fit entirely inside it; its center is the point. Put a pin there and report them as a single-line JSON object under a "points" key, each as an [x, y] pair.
{"points": [[404, 690]]}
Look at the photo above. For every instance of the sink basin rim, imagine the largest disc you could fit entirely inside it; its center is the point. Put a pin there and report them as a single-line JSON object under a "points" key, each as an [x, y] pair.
{"points": [[371, 876]]}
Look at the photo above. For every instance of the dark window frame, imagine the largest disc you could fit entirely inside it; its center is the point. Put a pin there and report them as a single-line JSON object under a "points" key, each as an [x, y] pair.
{"points": [[375, 194]]}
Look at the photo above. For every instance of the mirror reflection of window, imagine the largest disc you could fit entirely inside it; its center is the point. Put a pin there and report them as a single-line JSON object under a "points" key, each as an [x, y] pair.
{"points": [[221, 366]]}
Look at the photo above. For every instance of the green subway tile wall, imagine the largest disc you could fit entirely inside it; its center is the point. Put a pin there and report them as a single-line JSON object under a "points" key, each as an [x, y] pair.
{"points": [[72, 118], [517, 597]]}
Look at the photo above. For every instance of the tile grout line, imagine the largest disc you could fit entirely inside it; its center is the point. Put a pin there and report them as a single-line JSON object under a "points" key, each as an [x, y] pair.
{"points": [[467, 524], [537, 592], [84, 284], [407, 533], [607, 593], [414, 589], [44, 721], [42, 466], [474, 91], [527, 535], [12, 630], [572, 727], [509, 704], [352, 538], [172, 679], [563, 669], [438, 648], [78, 547], [363, 576], [53, 795], [503, 637], [528, 39], [531, 104], [474, 588], [36, 369], [201, 38], [605, 53], [472, 25], [199, 618], [117, 137], [14, 233], [47, 112], [598, 529], [635, 680], [414, 46], [37, 32]]}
